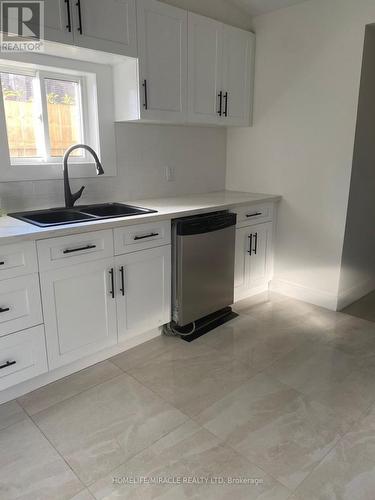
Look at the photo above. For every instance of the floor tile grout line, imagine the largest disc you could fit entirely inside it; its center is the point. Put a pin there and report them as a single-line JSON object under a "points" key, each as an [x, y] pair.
{"points": [[350, 428], [136, 454], [73, 395], [60, 455]]}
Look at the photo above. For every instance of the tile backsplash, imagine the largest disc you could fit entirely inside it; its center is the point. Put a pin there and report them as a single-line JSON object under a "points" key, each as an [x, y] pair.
{"points": [[197, 156]]}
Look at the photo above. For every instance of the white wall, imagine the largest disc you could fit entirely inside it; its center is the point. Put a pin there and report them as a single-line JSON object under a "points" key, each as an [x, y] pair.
{"points": [[221, 10], [358, 259], [308, 63], [197, 155]]}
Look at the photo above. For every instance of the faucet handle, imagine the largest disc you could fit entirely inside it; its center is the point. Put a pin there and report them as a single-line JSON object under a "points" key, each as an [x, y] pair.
{"points": [[77, 195]]}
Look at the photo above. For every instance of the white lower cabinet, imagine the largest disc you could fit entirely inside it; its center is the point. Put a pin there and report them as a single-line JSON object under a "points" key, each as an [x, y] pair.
{"points": [[20, 305], [144, 300], [22, 356], [79, 310], [253, 260]]}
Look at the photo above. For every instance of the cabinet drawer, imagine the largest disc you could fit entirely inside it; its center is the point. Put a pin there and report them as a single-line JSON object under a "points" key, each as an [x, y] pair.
{"points": [[55, 253], [22, 356], [17, 259], [254, 214], [142, 236], [20, 305]]}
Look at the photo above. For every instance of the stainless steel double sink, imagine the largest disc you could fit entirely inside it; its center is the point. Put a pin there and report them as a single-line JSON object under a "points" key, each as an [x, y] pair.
{"points": [[86, 213]]}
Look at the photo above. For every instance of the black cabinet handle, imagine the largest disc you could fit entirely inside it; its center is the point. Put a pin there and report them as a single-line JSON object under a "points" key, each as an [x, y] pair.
{"points": [[78, 5], [226, 104], [112, 291], [254, 215], [136, 238], [251, 244], [72, 250], [4, 309], [122, 272], [69, 25], [220, 96], [145, 102], [256, 243], [2, 263], [7, 364]]}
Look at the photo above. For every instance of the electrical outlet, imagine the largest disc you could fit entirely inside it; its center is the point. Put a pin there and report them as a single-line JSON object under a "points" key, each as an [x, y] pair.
{"points": [[169, 174]]}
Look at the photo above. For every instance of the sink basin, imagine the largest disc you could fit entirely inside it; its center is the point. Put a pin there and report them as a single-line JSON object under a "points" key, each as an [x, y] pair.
{"points": [[113, 210], [60, 216]]}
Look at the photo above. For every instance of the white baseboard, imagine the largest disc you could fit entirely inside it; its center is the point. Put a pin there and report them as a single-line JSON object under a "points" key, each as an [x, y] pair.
{"points": [[355, 293], [310, 295], [46, 378]]}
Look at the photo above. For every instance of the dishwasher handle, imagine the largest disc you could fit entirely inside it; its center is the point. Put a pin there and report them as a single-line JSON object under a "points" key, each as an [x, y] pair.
{"points": [[206, 223]]}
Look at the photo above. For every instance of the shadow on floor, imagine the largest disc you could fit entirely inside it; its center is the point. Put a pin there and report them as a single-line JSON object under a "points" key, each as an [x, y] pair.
{"points": [[363, 308]]}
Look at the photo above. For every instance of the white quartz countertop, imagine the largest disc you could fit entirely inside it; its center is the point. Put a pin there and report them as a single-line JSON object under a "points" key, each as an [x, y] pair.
{"points": [[13, 230]]}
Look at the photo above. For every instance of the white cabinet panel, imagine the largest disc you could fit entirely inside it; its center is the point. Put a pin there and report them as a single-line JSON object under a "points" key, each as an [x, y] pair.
{"points": [[18, 259], [79, 310], [56, 20], [205, 69], [162, 51], [238, 60], [109, 25], [20, 305], [74, 249], [145, 301], [253, 260], [22, 356], [142, 236]]}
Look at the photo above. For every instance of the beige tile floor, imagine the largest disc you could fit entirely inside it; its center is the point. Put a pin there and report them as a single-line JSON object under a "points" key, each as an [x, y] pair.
{"points": [[282, 397]]}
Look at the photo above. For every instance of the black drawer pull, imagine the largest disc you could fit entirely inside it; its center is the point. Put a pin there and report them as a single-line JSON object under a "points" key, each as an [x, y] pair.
{"points": [[145, 102], [2, 263], [4, 309], [251, 244], [122, 272], [72, 250], [112, 291], [7, 364], [254, 215], [78, 5], [136, 238], [69, 25]]}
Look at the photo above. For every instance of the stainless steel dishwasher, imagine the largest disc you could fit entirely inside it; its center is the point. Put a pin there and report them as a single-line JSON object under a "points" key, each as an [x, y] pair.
{"points": [[203, 251]]}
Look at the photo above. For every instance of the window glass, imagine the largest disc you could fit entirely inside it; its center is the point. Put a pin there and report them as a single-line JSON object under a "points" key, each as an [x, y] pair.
{"points": [[64, 115], [23, 118]]}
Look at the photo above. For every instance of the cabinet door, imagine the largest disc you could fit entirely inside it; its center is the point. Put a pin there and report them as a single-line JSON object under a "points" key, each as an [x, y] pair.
{"points": [[79, 311], [204, 69], [56, 20], [143, 302], [242, 262], [260, 258], [238, 62], [108, 25], [162, 52]]}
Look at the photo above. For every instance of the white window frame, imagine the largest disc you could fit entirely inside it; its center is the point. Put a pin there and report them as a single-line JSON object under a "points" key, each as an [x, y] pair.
{"points": [[97, 114]]}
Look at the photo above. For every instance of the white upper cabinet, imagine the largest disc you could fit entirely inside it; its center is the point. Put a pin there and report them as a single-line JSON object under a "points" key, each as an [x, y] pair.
{"points": [[237, 81], [109, 25], [58, 25], [205, 69], [162, 52], [220, 72]]}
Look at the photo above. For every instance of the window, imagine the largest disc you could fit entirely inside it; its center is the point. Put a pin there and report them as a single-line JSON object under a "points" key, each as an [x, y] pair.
{"points": [[44, 115]]}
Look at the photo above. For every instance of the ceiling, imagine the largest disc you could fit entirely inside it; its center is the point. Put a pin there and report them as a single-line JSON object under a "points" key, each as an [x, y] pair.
{"points": [[257, 7]]}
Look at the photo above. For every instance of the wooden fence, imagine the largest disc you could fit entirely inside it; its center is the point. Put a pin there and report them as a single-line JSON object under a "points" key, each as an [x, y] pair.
{"points": [[22, 133]]}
